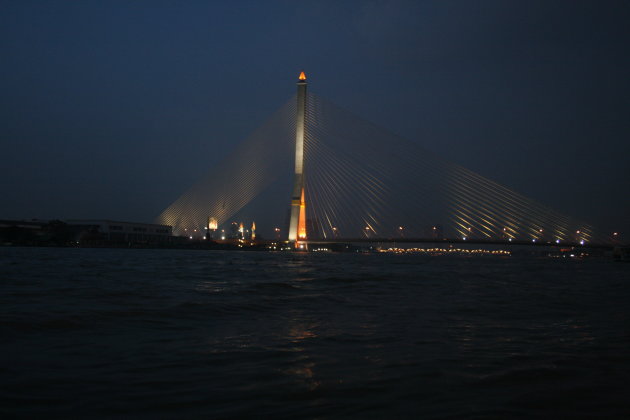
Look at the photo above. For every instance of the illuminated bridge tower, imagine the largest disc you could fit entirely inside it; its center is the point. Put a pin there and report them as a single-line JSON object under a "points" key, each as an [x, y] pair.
{"points": [[297, 226]]}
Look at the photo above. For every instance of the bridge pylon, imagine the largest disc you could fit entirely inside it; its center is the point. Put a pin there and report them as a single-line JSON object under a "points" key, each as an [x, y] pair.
{"points": [[297, 224]]}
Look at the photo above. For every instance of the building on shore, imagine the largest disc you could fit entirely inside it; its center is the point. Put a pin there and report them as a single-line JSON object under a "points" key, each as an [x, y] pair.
{"points": [[115, 231], [92, 232]]}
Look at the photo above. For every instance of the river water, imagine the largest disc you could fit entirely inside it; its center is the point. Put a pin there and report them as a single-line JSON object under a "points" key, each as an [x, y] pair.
{"points": [[178, 334]]}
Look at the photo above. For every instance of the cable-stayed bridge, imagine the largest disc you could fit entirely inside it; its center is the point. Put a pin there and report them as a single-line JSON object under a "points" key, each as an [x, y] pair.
{"points": [[359, 181]]}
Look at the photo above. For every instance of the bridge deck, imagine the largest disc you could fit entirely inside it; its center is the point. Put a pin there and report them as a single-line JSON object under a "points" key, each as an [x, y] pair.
{"points": [[460, 241]]}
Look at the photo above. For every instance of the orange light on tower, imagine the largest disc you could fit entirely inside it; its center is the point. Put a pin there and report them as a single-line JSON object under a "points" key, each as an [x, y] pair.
{"points": [[302, 76], [302, 219]]}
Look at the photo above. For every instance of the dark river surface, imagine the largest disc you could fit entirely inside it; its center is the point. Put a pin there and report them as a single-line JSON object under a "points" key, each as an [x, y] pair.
{"points": [[102, 333]]}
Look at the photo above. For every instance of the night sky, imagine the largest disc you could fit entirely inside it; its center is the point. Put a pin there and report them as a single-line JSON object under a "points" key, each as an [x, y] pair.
{"points": [[112, 109]]}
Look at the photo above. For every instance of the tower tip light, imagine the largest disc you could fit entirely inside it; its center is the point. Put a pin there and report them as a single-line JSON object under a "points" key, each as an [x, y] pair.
{"points": [[302, 76]]}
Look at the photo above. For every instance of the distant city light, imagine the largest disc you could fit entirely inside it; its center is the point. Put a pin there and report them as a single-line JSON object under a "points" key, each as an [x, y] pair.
{"points": [[510, 240], [534, 240], [582, 242], [615, 233], [463, 238], [437, 251], [557, 241], [191, 237]]}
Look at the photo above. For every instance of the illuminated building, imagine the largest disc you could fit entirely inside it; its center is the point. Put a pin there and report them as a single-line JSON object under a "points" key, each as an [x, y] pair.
{"points": [[211, 228], [297, 224], [234, 231]]}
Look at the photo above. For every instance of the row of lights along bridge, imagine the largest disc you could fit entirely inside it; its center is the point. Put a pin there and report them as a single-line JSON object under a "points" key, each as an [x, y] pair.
{"points": [[238, 231]]}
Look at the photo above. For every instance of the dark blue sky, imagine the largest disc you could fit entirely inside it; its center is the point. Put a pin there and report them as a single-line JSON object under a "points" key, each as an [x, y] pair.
{"points": [[111, 109]]}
